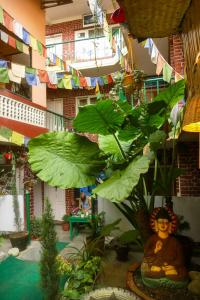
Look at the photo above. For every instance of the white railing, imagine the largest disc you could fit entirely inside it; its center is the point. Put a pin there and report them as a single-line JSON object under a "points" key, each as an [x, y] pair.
{"points": [[21, 112]]}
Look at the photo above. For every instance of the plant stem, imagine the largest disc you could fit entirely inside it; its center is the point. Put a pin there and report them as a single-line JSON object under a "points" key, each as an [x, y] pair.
{"points": [[120, 147]]}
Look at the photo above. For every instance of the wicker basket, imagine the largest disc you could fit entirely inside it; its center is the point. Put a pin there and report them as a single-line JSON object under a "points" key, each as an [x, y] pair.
{"points": [[110, 293], [154, 18], [191, 121]]}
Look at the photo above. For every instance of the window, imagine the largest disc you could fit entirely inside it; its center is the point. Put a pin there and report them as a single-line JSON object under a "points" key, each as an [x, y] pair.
{"points": [[91, 44], [56, 49], [82, 101], [89, 20]]}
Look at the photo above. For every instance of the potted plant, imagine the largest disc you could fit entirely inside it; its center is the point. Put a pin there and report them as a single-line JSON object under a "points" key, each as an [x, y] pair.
{"points": [[18, 239], [95, 242], [122, 243], [81, 277], [36, 228], [65, 223]]}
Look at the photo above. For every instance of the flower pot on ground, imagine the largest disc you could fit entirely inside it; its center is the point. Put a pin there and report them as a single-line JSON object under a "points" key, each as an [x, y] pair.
{"points": [[122, 243], [65, 224], [36, 228], [95, 242], [19, 240]]}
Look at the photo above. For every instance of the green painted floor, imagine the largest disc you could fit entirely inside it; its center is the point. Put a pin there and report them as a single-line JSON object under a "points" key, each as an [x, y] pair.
{"points": [[20, 280]]}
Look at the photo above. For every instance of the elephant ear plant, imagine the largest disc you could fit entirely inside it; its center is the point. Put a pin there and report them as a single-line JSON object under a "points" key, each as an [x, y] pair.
{"points": [[130, 139]]}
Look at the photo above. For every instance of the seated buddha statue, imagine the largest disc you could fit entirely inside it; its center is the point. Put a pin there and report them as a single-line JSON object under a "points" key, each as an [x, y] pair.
{"points": [[163, 263]]}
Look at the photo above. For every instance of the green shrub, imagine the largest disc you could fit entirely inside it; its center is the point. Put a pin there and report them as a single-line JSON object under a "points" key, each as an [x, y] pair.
{"points": [[36, 224]]}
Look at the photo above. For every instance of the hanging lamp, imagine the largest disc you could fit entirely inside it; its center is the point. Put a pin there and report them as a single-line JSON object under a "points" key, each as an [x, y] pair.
{"points": [[191, 121]]}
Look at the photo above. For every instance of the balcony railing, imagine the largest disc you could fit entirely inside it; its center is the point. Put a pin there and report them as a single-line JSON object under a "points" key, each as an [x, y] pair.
{"points": [[84, 50], [56, 122], [152, 87], [16, 110]]}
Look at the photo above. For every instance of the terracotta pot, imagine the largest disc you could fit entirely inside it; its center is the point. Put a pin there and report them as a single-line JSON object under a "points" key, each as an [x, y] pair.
{"points": [[19, 240], [65, 226]]}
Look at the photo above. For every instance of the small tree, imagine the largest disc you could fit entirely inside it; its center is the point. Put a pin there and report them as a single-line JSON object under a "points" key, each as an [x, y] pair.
{"points": [[48, 264]]}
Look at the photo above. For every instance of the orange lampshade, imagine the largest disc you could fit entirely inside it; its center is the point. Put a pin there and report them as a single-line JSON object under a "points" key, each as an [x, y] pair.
{"points": [[191, 120]]}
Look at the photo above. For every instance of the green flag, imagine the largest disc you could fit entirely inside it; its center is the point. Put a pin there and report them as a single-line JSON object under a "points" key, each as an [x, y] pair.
{"points": [[19, 45], [60, 83], [4, 75], [1, 15], [30, 70], [167, 72], [39, 46]]}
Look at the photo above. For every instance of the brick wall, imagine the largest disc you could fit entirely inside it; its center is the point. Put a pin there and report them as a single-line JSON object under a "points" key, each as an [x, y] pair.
{"points": [[68, 29], [176, 53], [189, 183]]}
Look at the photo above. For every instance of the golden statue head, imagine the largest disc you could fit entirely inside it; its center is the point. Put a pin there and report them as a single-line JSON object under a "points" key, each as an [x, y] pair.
{"points": [[163, 220]]}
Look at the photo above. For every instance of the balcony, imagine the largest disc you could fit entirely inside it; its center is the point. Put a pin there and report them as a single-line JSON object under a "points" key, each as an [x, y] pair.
{"points": [[28, 118], [88, 53], [152, 87]]}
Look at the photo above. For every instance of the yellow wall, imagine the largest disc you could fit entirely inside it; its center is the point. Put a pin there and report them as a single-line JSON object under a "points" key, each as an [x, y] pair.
{"points": [[29, 14], [32, 18]]}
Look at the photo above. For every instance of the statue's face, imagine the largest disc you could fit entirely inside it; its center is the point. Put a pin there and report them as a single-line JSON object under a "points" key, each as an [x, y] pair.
{"points": [[163, 225]]}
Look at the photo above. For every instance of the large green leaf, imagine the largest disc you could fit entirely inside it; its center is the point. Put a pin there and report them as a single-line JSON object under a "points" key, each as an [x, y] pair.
{"points": [[109, 145], [129, 132], [172, 94], [157, 139], [118, 187], [65, 159], [102, 118]]}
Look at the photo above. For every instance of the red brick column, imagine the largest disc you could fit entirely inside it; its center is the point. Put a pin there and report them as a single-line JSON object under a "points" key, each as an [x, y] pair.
{"points": [[69, 200], [189, 183], [176, 53]]}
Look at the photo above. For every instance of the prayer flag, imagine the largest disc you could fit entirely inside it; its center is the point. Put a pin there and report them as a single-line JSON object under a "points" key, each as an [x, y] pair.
{"points": [[44, 49], [167, 72], [17, 138], [97, 91], [88, 80], [4, 75], [105, 79], [33, 43], [4, 36], [18, 70], [154, 55], [31, 78], [76, 81], [43, 76], [30, 70], [178, 77], [25, 49], [52, 86], [3, 63], [39, 47], [18, 29], [61, 83], [100, 81], [67, 82], [83, 81], [110, 79], [8, 21], [13, 78], [26, 36], [1, 15], [160, 64], [11, 41], [19, 46], [93, 81], [52, 77]]}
